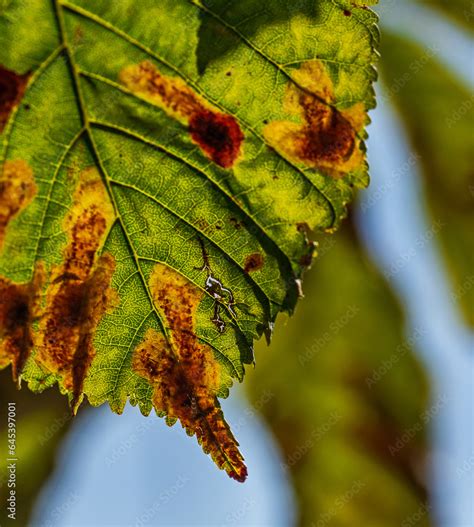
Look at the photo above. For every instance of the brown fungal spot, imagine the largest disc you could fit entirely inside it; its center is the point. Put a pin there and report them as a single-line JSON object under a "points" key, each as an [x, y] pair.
{"points": [[303, 227], [357, 5], [12, 88], [307, 259], [184, 372], [79, 293], [217, 134], [253, 262], [78, 36], [17, 189], [347, 12], [74, 309], [327, 137], [236, 223], [202, 224], [19, 307]]}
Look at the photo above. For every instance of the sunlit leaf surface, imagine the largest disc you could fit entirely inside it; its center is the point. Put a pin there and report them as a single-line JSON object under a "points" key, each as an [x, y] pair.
{"points": [[162, 164]]}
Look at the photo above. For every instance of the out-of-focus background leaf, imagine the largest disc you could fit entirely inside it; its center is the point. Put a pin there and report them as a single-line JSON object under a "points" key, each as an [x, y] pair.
{"points": [[339, 408], [438, 112], [460, 10], [41, 424]]}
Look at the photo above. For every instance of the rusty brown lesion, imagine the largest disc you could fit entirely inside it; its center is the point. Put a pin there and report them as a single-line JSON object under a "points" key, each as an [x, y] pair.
{"points": [[325, 138], [79, 292], [17, 189], [217, 134], [12, 88], [20, 306], [184, 373], [254, 262]]}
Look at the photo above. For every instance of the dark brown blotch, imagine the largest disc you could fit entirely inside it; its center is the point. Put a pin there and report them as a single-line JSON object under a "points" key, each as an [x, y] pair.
{"points": [[12, 88], [253, 262], [327, 137], [236, 223], [218, 134], [73, 311], [19, 307], [79, 292], [306, 260]]}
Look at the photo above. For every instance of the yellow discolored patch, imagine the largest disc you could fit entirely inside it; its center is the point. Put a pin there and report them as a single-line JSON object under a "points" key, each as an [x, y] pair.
{"points": [[326, 138], [313, 77], [217, 134], [17, 189], [184, 372], [79, 293], [171, 94], [87, 223], [19, 307]]}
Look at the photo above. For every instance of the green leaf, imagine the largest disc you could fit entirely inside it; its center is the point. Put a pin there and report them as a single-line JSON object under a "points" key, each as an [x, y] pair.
{"points": [[162, 167], [437, 109]]}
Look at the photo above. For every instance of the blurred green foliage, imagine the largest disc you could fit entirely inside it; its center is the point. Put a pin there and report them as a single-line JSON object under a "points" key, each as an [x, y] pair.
{"points": [[348, 400], [41, 422], [438, 111], [461, 10]]}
